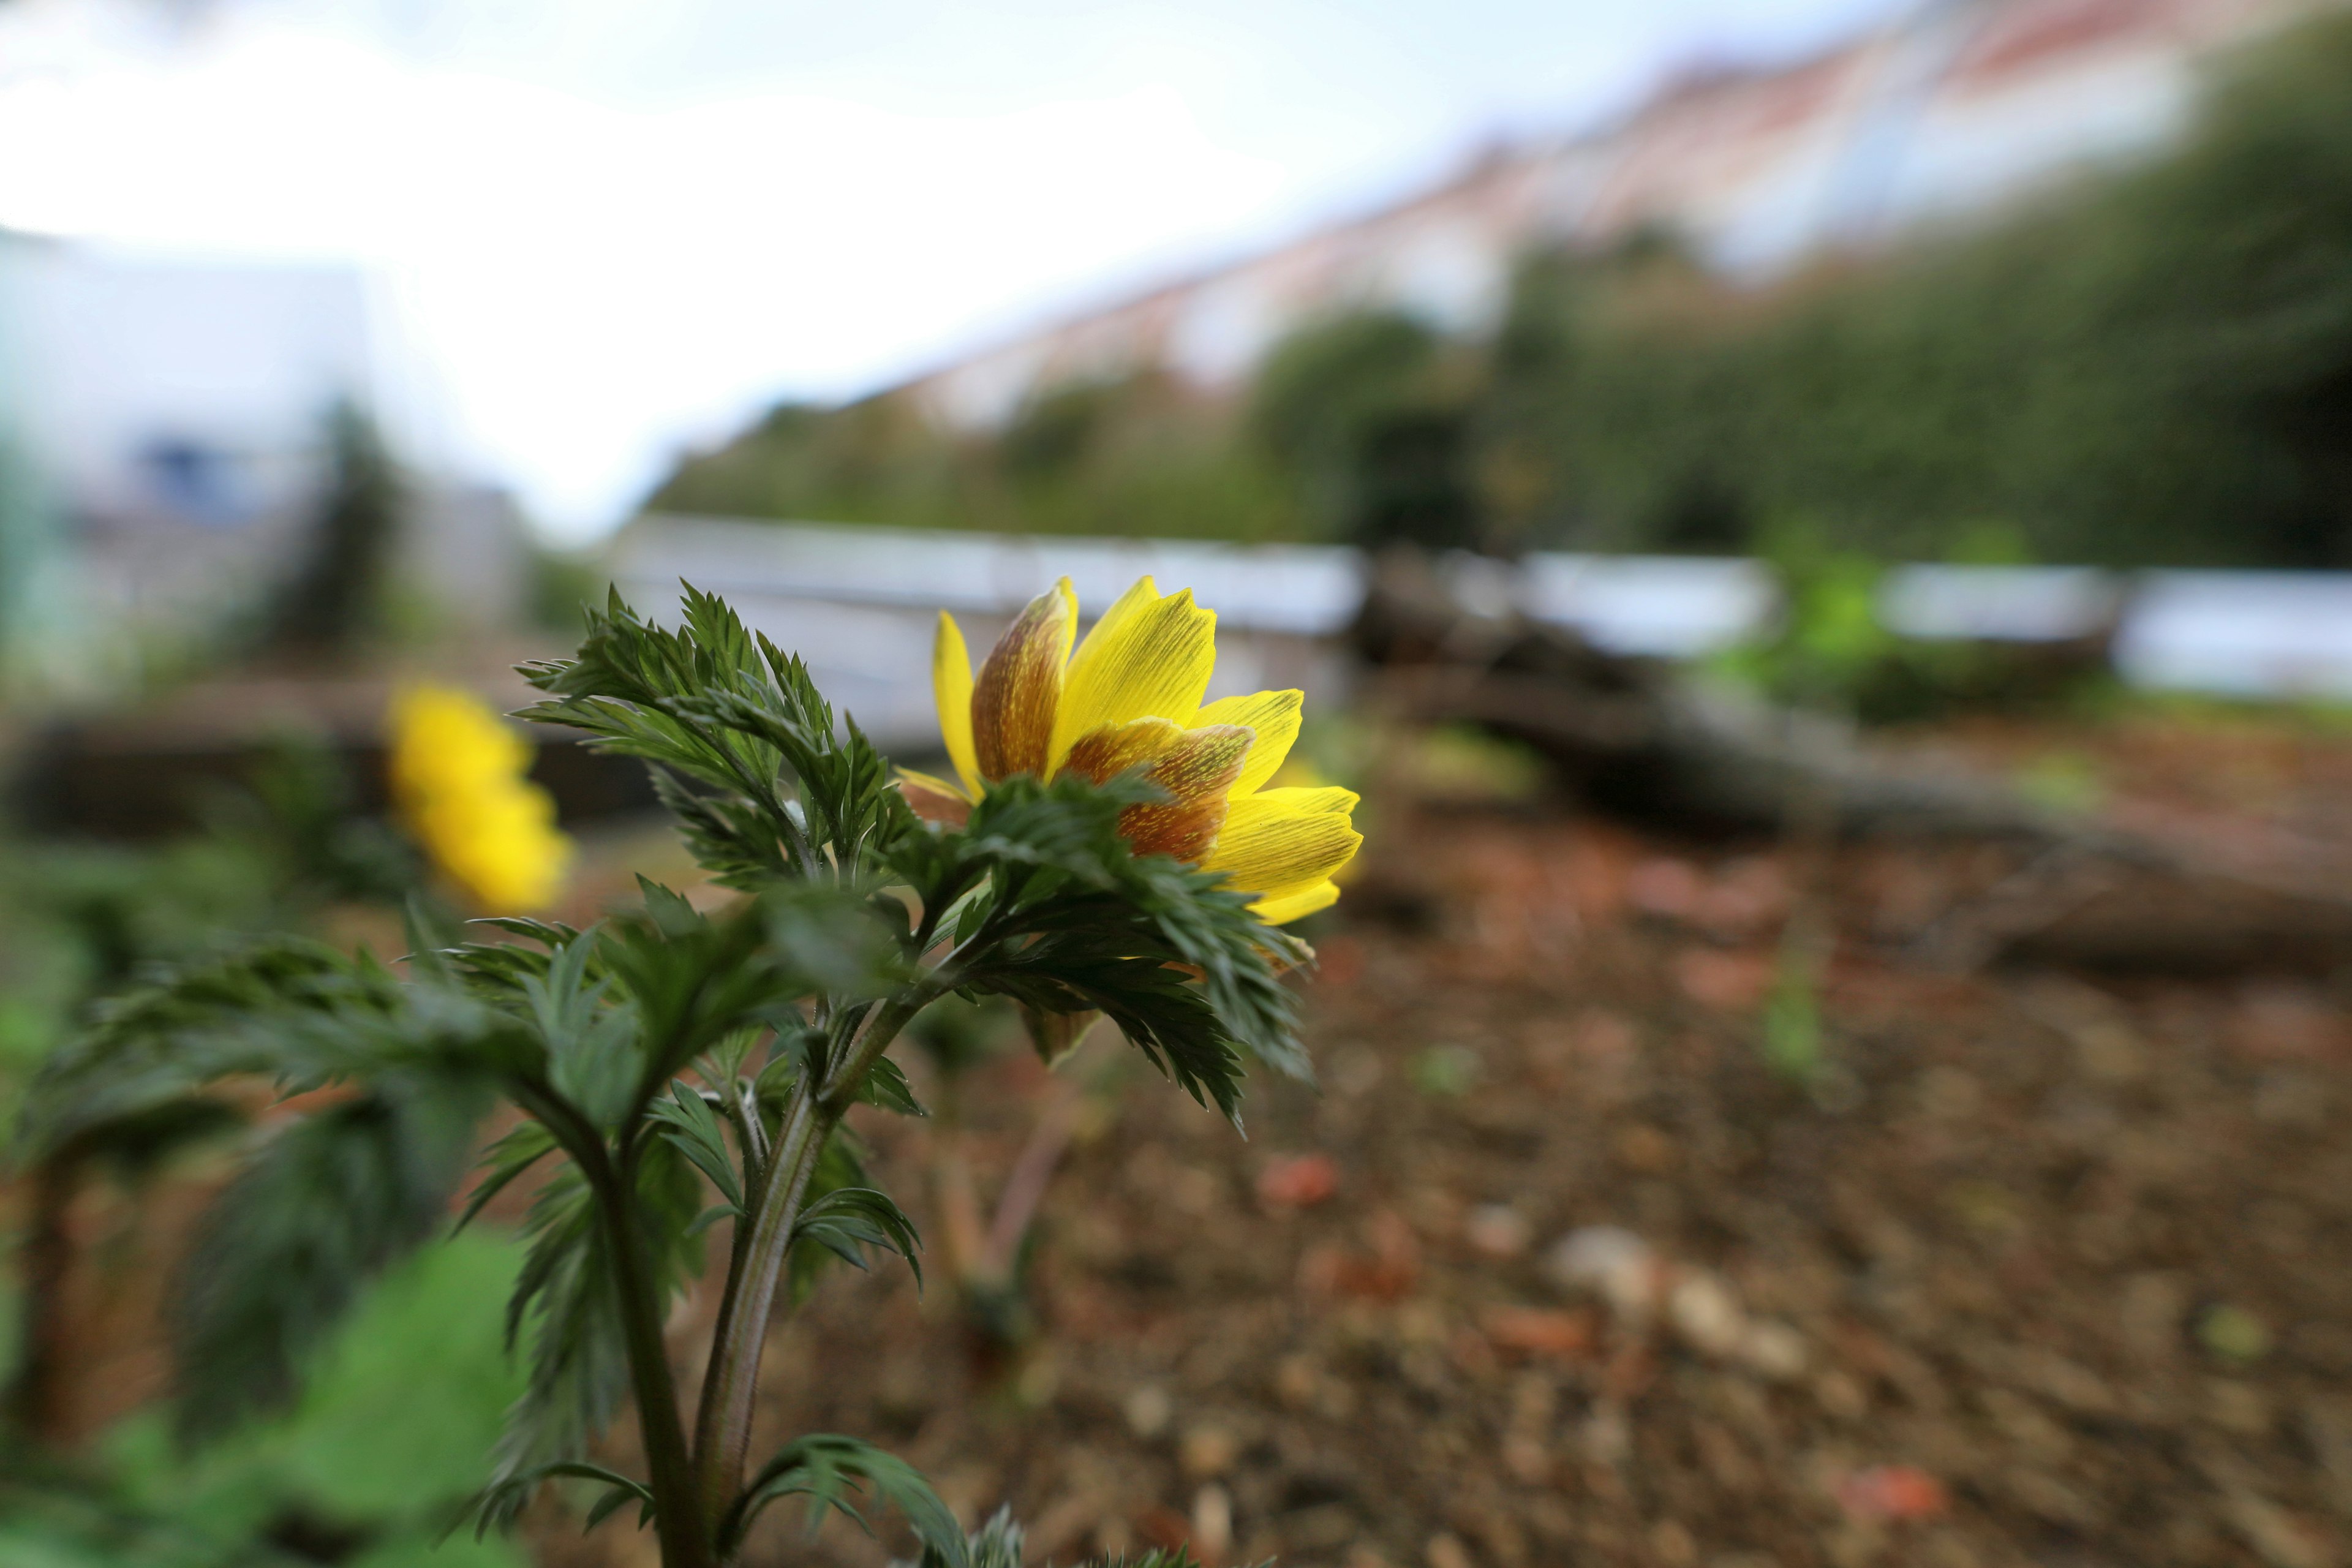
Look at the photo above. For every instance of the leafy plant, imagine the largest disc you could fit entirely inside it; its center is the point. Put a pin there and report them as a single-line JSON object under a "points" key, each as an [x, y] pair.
{"points": [[673, 1069]]}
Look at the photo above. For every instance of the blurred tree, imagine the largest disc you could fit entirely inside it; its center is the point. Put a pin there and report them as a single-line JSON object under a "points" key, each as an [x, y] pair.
{"points": [[335, 600], [2150, 367], [1369, 416], [2156, 368]]}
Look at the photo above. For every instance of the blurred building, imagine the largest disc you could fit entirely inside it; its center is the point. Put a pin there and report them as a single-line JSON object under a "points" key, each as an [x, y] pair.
{"points": [[164, 423], [1957, 107]]}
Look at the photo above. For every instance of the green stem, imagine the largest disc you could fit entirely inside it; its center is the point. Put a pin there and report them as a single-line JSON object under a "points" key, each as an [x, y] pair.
{"points": [[723, 1424], [684, 1533]]}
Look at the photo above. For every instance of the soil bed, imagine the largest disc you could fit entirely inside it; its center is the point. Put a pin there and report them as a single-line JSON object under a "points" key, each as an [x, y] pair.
{"points": [[2043, 1267]]}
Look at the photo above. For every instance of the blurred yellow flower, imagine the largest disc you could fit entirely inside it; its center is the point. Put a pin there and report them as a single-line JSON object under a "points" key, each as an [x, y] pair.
{"points": [[1130, 697], [459, 782]]}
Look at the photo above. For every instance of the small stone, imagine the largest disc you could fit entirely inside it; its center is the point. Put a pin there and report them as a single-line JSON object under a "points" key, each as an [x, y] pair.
{"points": [[1499, 1230], [1298, 1181], [1672, 1544], [1609, 1262], [1528, 1459], [1707, 1314], [1643, 1148], [1445, 1550], [1147, 1410], [1891, 1493], [1777, 1351], [1207, 1450], [1212, 1521], [1840, 1396]]}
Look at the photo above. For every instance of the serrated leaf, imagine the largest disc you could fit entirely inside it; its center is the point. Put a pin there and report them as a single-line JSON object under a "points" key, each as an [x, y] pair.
{"points": [[886, 1086], [690, 1124], [710, 1217], [670, 911], [847, 1220], [329, 1201], [507, 1159], [829, 1469]]}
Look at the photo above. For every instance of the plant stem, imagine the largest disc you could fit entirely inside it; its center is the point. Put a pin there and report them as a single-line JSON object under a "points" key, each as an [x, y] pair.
{"points": [[723, 1424], [679, 1520], [684, 1533]]}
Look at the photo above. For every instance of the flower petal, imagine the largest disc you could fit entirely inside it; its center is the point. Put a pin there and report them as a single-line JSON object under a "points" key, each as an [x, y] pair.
{"points": [[1019, 689], [1104, 753], [1147, 656], [1282, 841], [1197, 773], [934, 799], [951, 687], [1274, 715], [1196, 767], [1293, 906]]}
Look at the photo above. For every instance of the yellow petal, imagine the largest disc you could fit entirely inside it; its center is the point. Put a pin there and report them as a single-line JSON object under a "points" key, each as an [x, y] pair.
{"points": [[951, 687], [1292, 906], [1147, 656], [1328, 800], [1274, 715], [1281, 841], [1019, 689]]}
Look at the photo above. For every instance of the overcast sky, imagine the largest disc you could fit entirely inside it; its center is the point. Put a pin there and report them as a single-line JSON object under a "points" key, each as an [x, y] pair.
{"points": [[612, 229]]}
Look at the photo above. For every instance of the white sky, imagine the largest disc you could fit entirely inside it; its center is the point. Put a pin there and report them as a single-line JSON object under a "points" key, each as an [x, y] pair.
{"points": [[615, 227]]}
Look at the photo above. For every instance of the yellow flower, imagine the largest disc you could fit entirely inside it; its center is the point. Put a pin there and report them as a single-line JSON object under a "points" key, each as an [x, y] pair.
{"points": [[458, 779], [1130, 698]]}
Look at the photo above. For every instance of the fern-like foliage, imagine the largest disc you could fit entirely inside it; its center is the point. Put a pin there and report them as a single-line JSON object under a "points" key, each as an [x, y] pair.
{"points": [[668, 1070]]}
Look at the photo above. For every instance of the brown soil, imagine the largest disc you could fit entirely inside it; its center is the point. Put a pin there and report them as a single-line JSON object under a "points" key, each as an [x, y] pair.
{"points": [[2041, 1267]]}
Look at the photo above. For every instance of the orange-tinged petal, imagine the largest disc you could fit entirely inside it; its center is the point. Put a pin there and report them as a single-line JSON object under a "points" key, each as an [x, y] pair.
{"points": [[1148, 655], [1274, 715], [934, 799], [1282, 841], [1019, 689], [1197, 773], [952, 688], [1102, 754], [1195, 767], [1295, 906]]}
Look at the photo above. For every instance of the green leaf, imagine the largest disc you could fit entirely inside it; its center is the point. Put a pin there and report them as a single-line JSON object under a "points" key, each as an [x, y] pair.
{"points": [[838, 1167], [613, 1499], [689, 1122], [885, 1085], [829, 1469], [724, 718], [669, 910], [847, 1220], [619, 1489], [1073, 920], [564, 1313], [286, 1010], [507, 1159], [329, 1200], [999, 1543]]}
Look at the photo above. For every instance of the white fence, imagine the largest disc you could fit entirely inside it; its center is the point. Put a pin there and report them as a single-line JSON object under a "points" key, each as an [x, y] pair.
{"points": [[859, 603]]}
